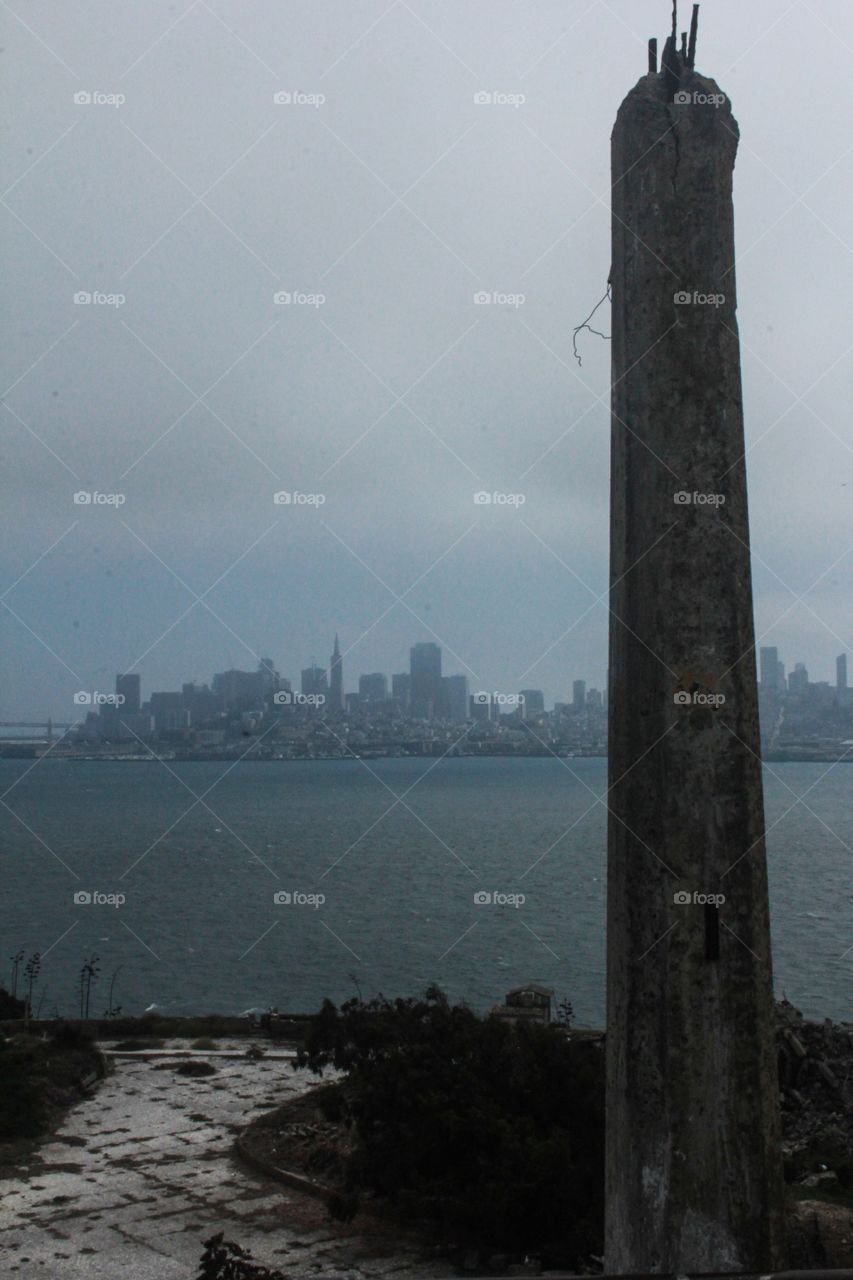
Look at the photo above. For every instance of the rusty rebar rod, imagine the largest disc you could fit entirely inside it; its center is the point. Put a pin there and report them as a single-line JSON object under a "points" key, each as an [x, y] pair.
{"points": [[691, 48]]}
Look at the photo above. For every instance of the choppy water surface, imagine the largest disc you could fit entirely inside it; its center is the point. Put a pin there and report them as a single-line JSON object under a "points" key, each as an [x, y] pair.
{"points": [[397, 852]]}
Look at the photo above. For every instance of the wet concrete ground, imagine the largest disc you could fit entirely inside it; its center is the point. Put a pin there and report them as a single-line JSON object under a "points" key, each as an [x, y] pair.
{"points": [[143, 1171]]}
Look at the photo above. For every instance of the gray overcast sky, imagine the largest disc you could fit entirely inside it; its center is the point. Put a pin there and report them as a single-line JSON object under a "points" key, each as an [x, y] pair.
{"points": [[397, 198]]}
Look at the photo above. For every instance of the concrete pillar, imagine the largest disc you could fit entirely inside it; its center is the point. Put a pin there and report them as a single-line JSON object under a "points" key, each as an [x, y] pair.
{"points": [[694, 1180]]}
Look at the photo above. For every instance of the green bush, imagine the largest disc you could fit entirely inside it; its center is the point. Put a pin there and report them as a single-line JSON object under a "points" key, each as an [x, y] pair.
{"points": [[22, 1110], [493, 1133], [10, 1007], [71, 1035], [134, 1046], [224, 1260], [192, 1067]]}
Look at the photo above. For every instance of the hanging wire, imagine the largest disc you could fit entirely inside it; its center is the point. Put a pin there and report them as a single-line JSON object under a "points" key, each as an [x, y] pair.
{"points": [[587, 325]]}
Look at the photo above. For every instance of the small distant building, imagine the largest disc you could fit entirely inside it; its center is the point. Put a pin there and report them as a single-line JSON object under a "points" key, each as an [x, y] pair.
{"points": [[531, 1003]]}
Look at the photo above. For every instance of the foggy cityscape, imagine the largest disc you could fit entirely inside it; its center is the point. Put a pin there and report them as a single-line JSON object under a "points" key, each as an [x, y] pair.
{"points": [[426, 610]]}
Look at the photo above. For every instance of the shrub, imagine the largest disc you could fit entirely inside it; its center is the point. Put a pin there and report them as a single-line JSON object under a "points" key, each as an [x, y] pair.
{"points": [[192, 1067], [493, 1133], [204, 1042], [134, 1046], [71, 1035], [224, 1260], [22, 1109], [10, 1007]]}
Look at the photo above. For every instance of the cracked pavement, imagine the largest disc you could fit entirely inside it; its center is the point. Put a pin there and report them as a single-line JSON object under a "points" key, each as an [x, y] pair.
{"points": [[138, 1175]]}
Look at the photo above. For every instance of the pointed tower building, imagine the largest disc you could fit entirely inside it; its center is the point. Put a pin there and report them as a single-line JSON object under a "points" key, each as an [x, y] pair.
{"points": [[336, 681]]}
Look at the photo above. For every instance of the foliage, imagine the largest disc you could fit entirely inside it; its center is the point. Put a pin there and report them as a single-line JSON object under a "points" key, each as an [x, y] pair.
{"points": [[134, 1046], [32, 969], [41, 1077], [192, 1067], [22, 1110], [565, 1013], [113, 1010], [70, 1035], [224, 1260], [492, 1132], [10, 1006], [17, 960], [88, 975]]}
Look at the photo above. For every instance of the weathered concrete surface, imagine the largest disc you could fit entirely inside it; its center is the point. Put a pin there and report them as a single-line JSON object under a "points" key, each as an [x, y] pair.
{"points": [[143, 1171], [694, 1176]]}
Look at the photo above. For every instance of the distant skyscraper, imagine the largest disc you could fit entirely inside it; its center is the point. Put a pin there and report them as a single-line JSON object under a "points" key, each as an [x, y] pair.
{"points": [[769, 669], [128, 687], [201, 702], [336, 680], [532, 703], [798, 680], [455, 698], [268, 675], [373, 687], [425, 667], [841, 673], [480, 707], [240, 690], [169, 712], [401, 687], [578, 694], [314, 683]]}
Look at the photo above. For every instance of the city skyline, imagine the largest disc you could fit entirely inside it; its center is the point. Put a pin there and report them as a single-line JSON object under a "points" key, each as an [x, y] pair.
{"points": [[574, 693], [399, 398], [373, 686]]}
